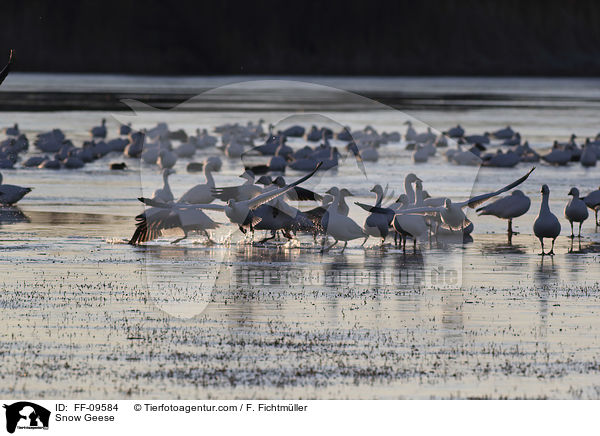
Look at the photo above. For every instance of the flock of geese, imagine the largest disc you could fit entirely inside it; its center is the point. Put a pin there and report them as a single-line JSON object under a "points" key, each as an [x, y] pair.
{"points": [[260, 204]]}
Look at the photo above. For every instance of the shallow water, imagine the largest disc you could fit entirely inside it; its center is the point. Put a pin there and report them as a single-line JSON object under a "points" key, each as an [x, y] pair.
{"points": [[86, 315]]}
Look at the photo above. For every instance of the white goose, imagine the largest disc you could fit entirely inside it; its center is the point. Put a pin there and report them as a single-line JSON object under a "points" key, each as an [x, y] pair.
{"points": [[592, 200], [576, 210], [238, 212], [546, 224], [509, 207], [452, 213], [10, 194], [338, 226], [202, 193]]}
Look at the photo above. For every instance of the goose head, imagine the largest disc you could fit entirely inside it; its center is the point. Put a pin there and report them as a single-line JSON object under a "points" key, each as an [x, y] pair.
{"points": [[447, 203], [411, 178], [345, 193], [545, 190], [377, 189], [574, 192]]}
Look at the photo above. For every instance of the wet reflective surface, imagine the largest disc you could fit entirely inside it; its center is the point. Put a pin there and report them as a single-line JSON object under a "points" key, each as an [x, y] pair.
{"points": [[85, 315]]}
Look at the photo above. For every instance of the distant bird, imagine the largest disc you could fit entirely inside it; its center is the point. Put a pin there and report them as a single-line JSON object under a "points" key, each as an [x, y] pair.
{"points": [[166, 159], [125, 129], [592, 200], [12, 131], [118, 166], [503, 160], [558, 156], [576, 210], [11, 194], [478, 139], [6, 69], [455, 132], [99, 131], [546, 224], [505, 133], [588, 156], [508, 208], [411, 133]]}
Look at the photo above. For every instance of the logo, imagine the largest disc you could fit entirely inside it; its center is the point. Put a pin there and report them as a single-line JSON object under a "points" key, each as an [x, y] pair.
{"points": [[26, 415]]}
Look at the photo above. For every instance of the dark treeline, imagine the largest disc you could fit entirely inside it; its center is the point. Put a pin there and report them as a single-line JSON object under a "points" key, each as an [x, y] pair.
{"points": [[446, 37]]}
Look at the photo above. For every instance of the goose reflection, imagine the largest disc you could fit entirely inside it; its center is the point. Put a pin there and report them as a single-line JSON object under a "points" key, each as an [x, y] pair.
{"points": [[12, 215]]}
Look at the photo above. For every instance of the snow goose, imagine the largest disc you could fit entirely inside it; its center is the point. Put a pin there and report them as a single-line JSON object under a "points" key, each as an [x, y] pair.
{"points": [[505, 133], [455, 132], [99, 131], [377, 224], [12, 131], [411, 133], [238, 212], [339, 227], [202, 193], [452, 213], [592, 200], [546, 224], [508, 207], [242, 192], [588, 156], [164, 194], [11, 194], [576, 210]]}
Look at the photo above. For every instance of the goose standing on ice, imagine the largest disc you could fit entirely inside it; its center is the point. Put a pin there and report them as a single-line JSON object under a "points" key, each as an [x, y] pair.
{"points": [[592, 200], [508, 208], [339, 227], [546, 224], [12, 131], [576, 210], [377, 224], [10, 194]]}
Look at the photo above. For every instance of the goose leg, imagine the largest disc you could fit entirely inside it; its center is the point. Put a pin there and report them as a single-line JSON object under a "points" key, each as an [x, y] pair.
{"points": [[328, 248], [404, 243], [363, 242], [210, 241], [579, 236], [551, 252], [542, 242], [345, 245], [268, 238], [572, 234], [415, 245]]}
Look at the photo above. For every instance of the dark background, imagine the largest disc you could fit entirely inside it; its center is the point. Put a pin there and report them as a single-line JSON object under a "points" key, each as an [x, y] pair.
{"points": [[446, 37]]}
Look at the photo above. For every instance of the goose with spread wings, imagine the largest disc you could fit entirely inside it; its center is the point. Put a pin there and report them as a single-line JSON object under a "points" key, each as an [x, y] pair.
{"points": [[451, 213], [238, 212]]}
